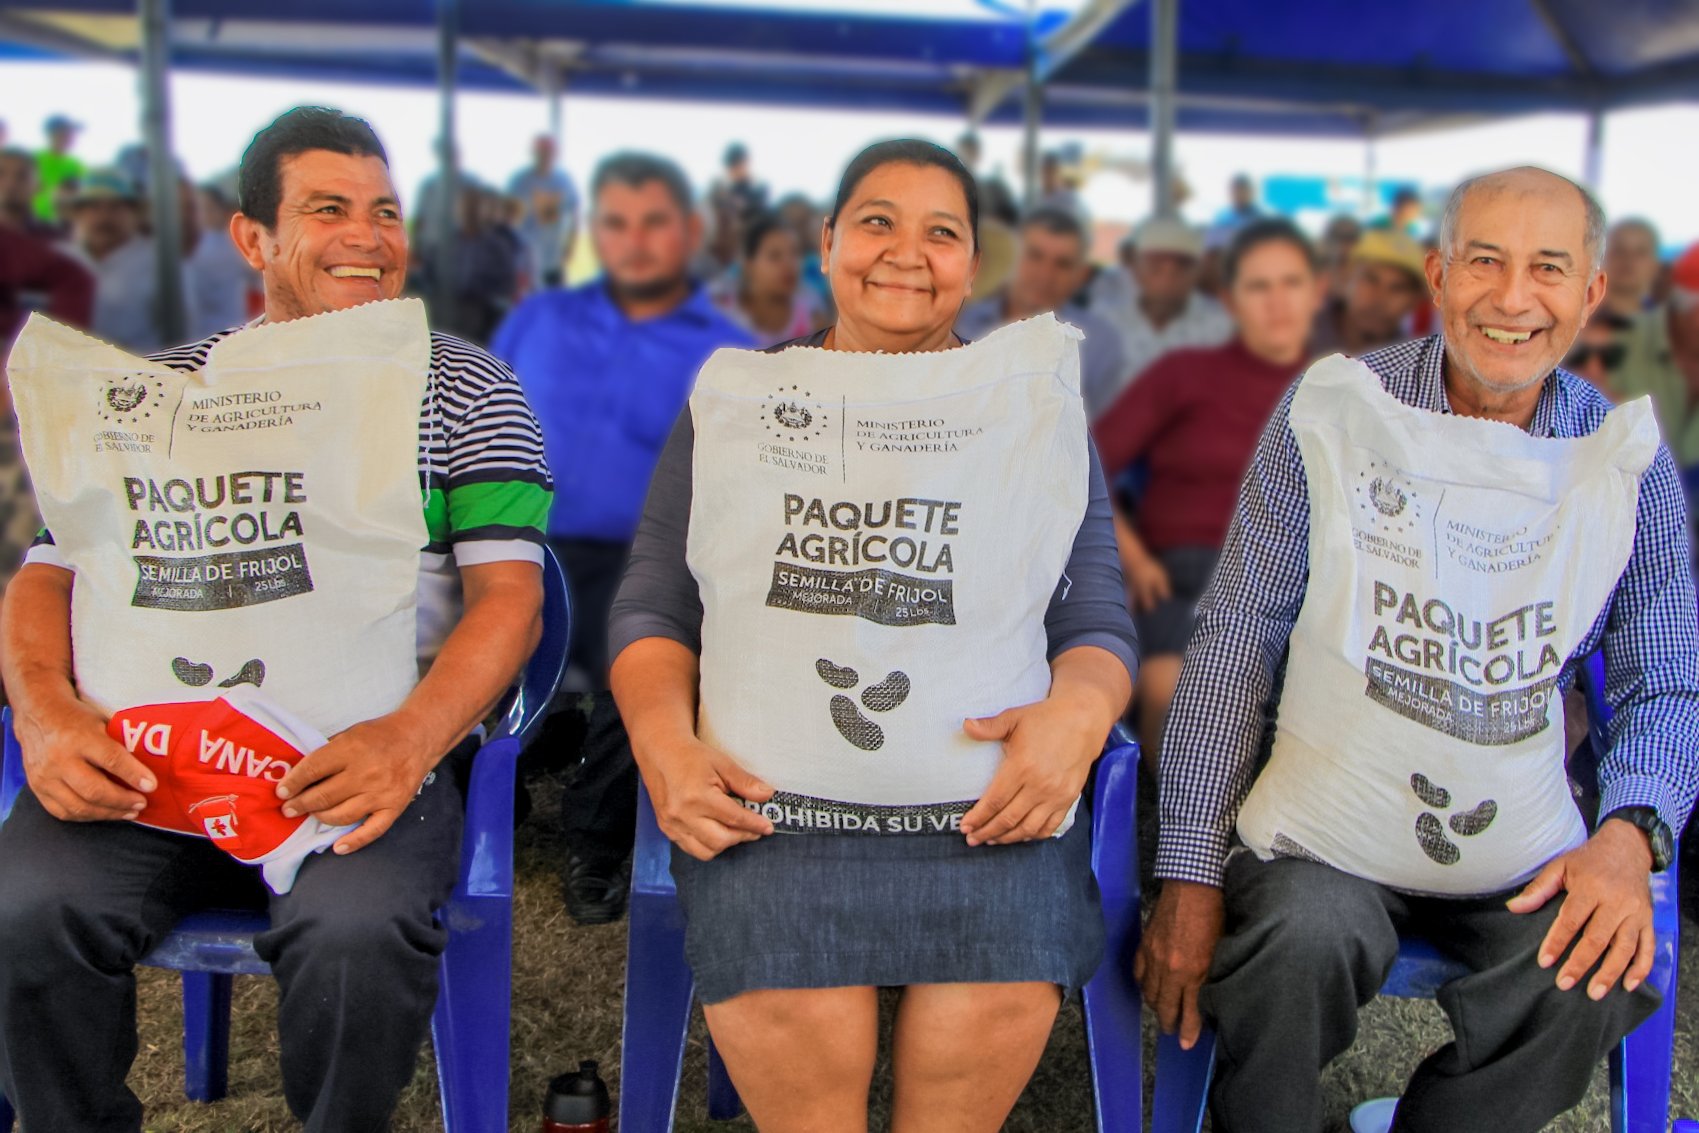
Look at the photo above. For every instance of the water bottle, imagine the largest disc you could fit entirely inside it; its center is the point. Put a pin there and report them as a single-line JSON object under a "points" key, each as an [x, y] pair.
{"points": [[577, 1103]]}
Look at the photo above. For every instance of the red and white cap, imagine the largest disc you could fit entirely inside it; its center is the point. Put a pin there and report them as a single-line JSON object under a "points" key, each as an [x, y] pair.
{"points": [[1684, 279], [218, 763]]}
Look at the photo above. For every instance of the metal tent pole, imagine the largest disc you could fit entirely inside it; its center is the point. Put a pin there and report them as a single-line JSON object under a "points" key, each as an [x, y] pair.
{"points": [[1371, 167], [1032, 97], [1593, 161], [1164, 81], [556, 82], [162, 169], [448, 188], [1029, 135]]}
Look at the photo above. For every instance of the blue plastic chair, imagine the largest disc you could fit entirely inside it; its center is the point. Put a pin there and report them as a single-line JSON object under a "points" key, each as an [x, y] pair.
{"points": [[658, 983], [469, 1027], [1640, 1066]]}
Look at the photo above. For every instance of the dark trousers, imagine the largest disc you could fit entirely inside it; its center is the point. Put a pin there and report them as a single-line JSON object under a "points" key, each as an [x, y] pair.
{"points": [[593, 570], [354, 947], [1306, 945], [599, 808]]}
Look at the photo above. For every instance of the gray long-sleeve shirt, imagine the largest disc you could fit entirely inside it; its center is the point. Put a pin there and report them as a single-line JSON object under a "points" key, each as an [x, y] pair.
{"points": [[659, 596]]}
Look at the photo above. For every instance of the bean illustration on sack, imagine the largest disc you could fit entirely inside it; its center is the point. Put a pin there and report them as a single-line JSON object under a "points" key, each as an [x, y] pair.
{"points": [[882, 697]]}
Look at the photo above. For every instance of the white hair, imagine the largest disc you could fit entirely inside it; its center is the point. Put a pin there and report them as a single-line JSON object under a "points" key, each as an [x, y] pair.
{"points": [[1593, 240]]}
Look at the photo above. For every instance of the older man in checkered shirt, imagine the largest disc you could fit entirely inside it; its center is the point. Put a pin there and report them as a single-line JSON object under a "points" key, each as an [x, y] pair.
{"points": [[1278, 954]]}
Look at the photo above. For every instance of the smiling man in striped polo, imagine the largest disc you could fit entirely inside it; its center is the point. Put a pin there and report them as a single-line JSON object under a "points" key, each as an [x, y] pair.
{"points": [[354, 945]]}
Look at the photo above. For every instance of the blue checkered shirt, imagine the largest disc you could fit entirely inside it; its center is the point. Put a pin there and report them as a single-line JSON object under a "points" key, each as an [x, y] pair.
{"points": [[1227, 691]]}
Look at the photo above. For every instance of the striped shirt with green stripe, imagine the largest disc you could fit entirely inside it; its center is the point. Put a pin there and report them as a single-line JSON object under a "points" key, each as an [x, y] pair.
{"points": [[486, 485]]}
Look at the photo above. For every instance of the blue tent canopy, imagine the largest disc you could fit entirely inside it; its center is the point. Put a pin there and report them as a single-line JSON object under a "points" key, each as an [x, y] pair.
{"points": [[1393, 65], [1321, 67]]}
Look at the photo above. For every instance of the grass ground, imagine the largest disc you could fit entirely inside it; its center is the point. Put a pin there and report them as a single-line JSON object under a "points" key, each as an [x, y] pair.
{"points": [[567, 992]]}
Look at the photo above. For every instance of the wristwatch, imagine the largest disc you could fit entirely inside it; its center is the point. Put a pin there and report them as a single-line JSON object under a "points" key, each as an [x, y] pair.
{"points": [[1656, 829]]}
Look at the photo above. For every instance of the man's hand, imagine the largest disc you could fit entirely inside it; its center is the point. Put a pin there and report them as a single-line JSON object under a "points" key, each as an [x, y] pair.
{"points": [[1609, 907], [372, 771], [366, 774], [691, 785], [1175, 954], [1148, 583], [77, 771]]}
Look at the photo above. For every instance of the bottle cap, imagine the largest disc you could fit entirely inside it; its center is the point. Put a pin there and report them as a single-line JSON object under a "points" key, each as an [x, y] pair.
{"points": [[578, 1099]]}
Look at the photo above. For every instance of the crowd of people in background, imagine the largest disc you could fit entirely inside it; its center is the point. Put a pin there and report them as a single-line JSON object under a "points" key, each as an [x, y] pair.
{"points": [[1189, 338], [757, 259]]}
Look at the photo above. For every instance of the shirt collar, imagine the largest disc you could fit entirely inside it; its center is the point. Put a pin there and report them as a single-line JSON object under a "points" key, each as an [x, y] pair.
{"points": [[697, 308], [1192, 312], [1549, 416]]}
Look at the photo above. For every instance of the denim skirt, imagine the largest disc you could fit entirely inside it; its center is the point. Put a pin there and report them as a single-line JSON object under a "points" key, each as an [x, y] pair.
{"points": [[848, 910]]}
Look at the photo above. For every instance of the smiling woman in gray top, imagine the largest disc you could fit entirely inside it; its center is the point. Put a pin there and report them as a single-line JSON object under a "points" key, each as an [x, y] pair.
{"points": [[790, 936]]}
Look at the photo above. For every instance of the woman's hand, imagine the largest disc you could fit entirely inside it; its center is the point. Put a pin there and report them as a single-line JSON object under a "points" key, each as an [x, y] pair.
{"points": [[1048, 749], [691, 786]]}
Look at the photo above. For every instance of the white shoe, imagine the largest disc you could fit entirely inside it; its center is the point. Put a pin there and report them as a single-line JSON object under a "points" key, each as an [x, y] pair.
{"points": [[1374, 1116]]}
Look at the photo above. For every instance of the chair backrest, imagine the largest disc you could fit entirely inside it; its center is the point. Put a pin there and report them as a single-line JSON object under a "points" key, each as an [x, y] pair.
{"points": [[528, 703], [11, 766], [1591, 681], [526, 706]]}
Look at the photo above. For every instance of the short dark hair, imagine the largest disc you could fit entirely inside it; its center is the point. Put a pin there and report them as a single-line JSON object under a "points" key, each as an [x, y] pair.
{"points": [[759, 228], [19, 153], [638, 169], [906, 151], [259, 179], [1061, 221], [1274, 230], [1639, 222]]}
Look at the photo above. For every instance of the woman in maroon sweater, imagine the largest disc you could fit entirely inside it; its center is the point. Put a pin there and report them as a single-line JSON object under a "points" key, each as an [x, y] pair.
{"points": [[1193, 418]]}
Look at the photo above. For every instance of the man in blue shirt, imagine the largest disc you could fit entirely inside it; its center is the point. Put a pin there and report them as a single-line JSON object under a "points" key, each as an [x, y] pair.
{"points": [[1558, 960], [608, 367]]}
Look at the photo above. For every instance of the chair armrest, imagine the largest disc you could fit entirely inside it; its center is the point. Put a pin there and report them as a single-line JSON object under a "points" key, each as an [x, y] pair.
{"points": [[486, 849], [1666, 923], [11, 766], [1114, 821], [651, 861]]}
